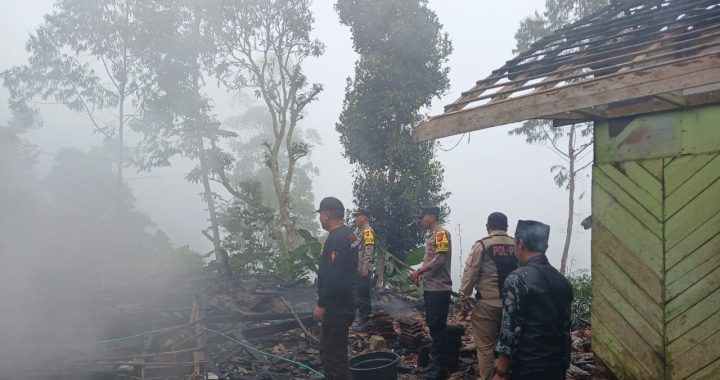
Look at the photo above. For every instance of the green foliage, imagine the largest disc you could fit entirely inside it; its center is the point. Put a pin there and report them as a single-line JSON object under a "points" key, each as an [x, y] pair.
{"points": [[401, 68], [582, 301], [249, 225], [249, 230], [90, 57], [305, 257], [254, 130], [263, 46], [415, 256], [178, 118], [398, 275]]}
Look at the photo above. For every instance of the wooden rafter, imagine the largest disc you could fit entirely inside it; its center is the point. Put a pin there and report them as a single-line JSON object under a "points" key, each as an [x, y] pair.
{"points": [[593, 67]]}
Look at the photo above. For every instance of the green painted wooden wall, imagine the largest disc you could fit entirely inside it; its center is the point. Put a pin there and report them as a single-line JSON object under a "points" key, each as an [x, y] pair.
{"points": [[656, 245]]}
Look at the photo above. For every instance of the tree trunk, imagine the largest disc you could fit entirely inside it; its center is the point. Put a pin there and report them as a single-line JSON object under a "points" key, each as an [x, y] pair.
{"points": [[220, 256], [121, 158], [391, 178], [283, 212], [571, 200]]}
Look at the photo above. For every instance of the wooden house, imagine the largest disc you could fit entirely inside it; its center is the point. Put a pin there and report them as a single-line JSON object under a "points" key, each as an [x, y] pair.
{"points": [[647, 74]]}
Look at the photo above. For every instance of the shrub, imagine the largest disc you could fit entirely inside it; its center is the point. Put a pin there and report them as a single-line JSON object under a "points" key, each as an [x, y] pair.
{"points": [[582, 298]]}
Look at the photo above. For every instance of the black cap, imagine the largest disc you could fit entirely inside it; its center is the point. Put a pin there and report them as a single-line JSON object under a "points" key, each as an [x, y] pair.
{"points": [[497, 220], [361, 211], [330, 203], [429, 210], [534, 234]]}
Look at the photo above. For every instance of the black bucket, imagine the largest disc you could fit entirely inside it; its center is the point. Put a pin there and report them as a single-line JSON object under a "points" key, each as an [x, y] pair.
{"points": [[374, 366]]}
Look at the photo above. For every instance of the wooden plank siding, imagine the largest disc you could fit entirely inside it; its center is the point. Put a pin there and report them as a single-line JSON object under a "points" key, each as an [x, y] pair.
{"points": [[628, 267], [692, 278], [656, 266]]}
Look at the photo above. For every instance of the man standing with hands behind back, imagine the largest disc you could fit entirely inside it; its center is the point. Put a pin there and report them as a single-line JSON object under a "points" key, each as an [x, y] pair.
{"points": [[437, 288], [335, 309]]}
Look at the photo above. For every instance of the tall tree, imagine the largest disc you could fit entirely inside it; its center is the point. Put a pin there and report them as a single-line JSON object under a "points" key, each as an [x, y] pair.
{"points": [[263, 46], [572, 144], [252, 217], [178, 118], [88, 56], [401, 68]]}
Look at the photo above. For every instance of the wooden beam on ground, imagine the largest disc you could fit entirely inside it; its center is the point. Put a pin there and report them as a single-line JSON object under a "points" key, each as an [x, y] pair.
{"points": [[639, 83], [276, 328], [299, 321]]}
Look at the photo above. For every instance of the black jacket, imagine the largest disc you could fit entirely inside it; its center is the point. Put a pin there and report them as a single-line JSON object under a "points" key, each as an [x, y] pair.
{"points": [[338, 267], [536, 318]]}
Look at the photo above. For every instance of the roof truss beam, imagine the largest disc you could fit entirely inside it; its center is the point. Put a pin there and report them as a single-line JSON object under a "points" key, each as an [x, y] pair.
{"points": [[672, 76]]}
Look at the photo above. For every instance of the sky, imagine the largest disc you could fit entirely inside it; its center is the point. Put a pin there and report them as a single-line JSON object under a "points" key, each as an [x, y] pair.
{"points": [[486, 171]]}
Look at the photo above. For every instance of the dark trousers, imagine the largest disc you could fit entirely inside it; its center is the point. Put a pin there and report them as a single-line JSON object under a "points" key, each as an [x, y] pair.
{"points": [[552, 374], [364, 302], [334, 344], [436, 313]]}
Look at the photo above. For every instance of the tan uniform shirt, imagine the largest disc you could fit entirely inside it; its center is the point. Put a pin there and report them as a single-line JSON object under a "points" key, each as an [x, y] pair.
{"points": [[438, 252], [490, 261], [367, 236]]}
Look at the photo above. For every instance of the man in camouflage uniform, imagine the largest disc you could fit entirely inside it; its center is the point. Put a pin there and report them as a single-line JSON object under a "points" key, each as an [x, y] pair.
{"points": [[491, 260], [367, 237], [534, 339], [437, 287]]}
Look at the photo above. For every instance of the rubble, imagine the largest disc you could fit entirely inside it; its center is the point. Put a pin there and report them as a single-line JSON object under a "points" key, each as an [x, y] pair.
{"points": [[411, 333], [251, 328], [381, 324]]}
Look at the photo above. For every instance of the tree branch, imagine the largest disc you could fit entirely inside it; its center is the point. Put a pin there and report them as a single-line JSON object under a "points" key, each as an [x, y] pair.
{"points": [[552, 141], [583, 167]]}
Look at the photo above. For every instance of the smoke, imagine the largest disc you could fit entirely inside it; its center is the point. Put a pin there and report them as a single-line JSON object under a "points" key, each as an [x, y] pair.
{"points": [[66, 240]]}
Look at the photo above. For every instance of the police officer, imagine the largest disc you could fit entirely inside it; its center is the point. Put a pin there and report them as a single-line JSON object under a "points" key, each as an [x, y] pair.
{"points": [[335, 309], [367, 244], [535, 331], [490, 261], [437, 287]]}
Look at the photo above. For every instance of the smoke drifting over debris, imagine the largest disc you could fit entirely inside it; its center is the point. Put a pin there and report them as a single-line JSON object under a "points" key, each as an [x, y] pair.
{"points": [[64, 242]]}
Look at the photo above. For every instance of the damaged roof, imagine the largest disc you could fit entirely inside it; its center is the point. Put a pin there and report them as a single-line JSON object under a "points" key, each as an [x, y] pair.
{"points": [[629, 58]]}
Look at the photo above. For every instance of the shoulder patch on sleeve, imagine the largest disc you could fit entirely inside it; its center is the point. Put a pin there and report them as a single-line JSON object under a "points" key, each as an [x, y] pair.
{"points": [[369, 236], [442, 244]]}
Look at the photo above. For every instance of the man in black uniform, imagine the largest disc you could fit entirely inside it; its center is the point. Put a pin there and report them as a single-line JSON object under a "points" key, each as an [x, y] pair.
{"points": [[535, 330], [335, 309]]}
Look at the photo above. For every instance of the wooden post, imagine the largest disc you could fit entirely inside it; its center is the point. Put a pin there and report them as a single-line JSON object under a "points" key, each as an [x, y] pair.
{"points": [[199, 354]]}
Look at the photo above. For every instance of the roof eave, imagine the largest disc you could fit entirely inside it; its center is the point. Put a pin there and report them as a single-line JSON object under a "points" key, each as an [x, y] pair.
{"points": [[578, 98]]}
